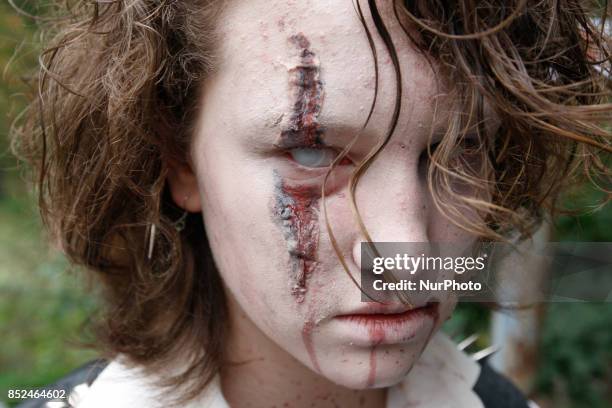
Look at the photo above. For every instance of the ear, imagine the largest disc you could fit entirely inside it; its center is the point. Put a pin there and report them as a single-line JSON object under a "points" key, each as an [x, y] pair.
{"points": [[183, 185]]}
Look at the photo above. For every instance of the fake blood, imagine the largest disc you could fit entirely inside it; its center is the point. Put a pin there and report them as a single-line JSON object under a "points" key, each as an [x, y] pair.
{"points": [[297, 209], [377, 335], [308, 343], [297, 206], [303, 129]]}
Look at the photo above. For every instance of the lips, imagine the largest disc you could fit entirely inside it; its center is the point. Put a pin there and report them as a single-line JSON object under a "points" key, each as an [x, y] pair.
{"points": [[373, 324], [393, 310]]}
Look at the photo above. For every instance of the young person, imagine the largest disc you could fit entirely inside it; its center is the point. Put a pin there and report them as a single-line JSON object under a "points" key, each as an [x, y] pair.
{"points": [[217, 166]]}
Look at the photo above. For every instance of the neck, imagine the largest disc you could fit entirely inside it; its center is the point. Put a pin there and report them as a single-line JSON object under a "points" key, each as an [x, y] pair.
{"points": [[257, 372]]}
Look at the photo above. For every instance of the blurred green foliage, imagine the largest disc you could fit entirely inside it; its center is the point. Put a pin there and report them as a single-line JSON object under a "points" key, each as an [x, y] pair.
{"points": [[576, 355], [43, 305]]}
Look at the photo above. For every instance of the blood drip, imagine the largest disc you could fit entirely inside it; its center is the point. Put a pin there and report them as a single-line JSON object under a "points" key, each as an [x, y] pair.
{"points": [[307, 332], [377, 336]]}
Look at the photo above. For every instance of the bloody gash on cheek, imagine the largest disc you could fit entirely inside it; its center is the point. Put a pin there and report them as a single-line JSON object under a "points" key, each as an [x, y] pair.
{"points": [[296, 211]]}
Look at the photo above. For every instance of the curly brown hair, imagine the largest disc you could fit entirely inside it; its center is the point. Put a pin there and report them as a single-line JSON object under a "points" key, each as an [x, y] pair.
{"points": [[119, 86]]}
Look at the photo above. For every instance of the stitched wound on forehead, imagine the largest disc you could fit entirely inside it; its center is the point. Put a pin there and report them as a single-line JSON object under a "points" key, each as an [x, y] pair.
{"points": [[306, 88]]}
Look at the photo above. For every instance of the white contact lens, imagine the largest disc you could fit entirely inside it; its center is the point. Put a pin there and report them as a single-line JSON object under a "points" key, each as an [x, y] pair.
{"points": [[311, 157]]}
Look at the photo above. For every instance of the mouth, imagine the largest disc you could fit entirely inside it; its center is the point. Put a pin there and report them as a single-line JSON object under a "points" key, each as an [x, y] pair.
{"points": [[386, 324], [389, 313]]}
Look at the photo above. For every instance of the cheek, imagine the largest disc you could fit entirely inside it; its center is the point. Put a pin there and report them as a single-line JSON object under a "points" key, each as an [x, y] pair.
{"points": [[295, 211], [441, 229], [245, 242]]}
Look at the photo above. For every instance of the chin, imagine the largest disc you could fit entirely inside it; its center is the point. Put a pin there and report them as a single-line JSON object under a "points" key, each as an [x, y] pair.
{"points": [[377, 367]]}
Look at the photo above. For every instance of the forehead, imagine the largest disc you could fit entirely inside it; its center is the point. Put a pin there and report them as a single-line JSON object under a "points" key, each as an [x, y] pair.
{"points": [[258, 51]]}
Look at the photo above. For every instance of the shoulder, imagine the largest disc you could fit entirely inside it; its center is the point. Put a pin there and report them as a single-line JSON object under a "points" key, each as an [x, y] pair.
{"points": [[76, 380], [494, 390], [119, 384]]}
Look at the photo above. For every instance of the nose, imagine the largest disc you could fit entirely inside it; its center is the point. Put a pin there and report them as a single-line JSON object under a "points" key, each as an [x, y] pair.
{"points": [[392, 200]]}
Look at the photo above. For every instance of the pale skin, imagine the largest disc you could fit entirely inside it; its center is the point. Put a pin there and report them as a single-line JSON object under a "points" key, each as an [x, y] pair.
{"points": [[285, 284]]}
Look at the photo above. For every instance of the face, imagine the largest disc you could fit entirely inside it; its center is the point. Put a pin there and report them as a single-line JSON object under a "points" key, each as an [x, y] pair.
{"points": [[293, 86]]}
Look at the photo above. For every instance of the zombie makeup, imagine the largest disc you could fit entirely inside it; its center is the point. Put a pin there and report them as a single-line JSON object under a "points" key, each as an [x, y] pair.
{"points": [[265, 114], [303, 129], [295, 206], [296, 212]]}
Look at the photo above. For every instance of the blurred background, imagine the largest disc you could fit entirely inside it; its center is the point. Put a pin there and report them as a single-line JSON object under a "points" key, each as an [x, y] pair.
{"points": [[563, 359]]}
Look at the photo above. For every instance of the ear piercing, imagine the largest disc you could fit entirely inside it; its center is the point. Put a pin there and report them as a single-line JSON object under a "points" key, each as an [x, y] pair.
{"points": [[179, 225], [152, 230]]}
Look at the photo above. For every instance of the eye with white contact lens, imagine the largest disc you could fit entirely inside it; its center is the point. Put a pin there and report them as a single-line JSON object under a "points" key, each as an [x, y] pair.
{"points": [[311, 157]]}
